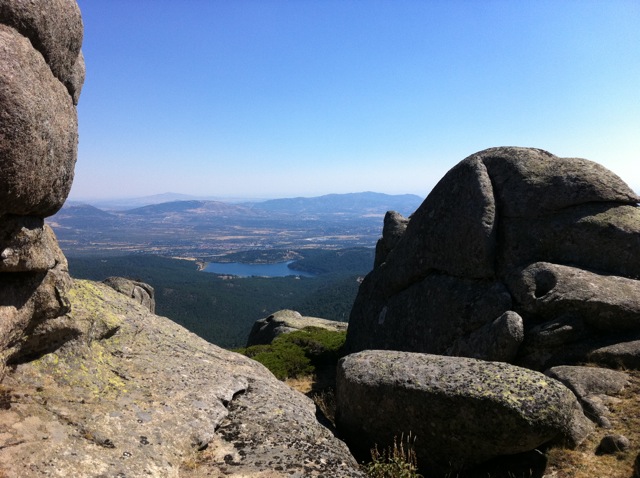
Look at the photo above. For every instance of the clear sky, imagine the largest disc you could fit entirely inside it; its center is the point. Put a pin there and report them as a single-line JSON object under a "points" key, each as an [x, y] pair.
{"points": [[282, 98]]}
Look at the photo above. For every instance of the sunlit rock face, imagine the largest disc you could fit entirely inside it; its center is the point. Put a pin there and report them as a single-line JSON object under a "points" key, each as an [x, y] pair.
{"points": [[41, 75], [516, 255]]}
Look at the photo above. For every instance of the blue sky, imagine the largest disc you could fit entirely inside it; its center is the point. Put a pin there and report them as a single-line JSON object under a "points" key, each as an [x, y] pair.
{"points": [[258, 99]]}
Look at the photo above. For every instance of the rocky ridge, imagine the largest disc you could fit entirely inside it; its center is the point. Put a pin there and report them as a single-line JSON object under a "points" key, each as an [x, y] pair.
{"points": [[133, 394], [517, 258]]}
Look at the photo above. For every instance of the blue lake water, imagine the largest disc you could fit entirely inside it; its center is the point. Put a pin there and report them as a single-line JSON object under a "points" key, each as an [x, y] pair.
{"points": [[239, 269]]}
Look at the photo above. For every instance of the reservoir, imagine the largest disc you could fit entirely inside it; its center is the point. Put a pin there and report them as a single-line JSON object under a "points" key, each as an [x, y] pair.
{"points": [[239, 269]]}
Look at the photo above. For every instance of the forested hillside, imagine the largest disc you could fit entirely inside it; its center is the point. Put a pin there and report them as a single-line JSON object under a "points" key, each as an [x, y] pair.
{"points": [[222, 310]]}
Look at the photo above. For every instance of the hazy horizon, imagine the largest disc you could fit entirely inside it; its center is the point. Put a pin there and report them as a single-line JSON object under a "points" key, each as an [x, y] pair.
{"points": [[274, 98]]}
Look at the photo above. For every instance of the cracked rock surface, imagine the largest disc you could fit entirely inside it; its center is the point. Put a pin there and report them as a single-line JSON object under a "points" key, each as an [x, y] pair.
{"points": [[122, 392]]}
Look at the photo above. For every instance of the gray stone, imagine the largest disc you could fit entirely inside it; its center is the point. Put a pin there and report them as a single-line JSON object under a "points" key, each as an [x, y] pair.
{"points": [[285, 321], [560, 340], [461, 411], [76, 81], [492, 215], [26, 301], [27, 245], [393, 228], [545, 290], [622, 355], [529, 182], [135, 394], [611, 444], [602, 237], [453, 231], [585, 381], [589, 384], [498, 341], [141, 292], [429, 316], [53, 27], [38, 131]]}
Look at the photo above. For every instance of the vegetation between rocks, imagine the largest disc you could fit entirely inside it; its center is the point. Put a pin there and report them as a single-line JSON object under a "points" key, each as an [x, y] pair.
{"points": [[300, 353]]}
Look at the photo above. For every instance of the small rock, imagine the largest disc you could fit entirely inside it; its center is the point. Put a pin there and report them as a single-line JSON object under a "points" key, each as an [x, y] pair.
{"points": [[611, 444]]}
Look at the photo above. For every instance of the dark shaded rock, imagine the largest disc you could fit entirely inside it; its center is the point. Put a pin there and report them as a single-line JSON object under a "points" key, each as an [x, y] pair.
{"points": [[139, 291], [285, 321], [601, 237], [26, 301], [498, 341], [530, 464], [430, 316], [452, 232], [54, 28], [611, 444], [393, 228], [461, 411], [564, 339], [38, 131], [620, 355], [137, 395]]}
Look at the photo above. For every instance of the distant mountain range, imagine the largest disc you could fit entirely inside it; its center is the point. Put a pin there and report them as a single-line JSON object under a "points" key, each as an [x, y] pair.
{"points": [[205, 228], [356, 204]]}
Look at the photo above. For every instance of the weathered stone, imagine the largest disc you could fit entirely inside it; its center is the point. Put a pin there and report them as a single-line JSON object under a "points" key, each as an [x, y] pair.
{"points": [[139, 291], [623, 355], [497, 212], [38, 131], [54, 28], [26, 301], [27, 245], [285, 321], [545, 290], [461, 411], [75, 82], [135, 394], [498, 341], [603, 237], [453, 232], [393, 228], [530, 182], [588, 384], [611, 444], [585, 381], [427, 317]]}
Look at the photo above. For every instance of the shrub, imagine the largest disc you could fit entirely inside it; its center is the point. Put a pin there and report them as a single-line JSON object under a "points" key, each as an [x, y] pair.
{"points": [[298, 353]]}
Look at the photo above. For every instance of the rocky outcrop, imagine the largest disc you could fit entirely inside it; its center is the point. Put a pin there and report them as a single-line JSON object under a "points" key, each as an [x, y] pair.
{"points": [[285, 321], [462, 412], [128, 393], [41, 74], [516, 247], [593, 387], [139, 291]]}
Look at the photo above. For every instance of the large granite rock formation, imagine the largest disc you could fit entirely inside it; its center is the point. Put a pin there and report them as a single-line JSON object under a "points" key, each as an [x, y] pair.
{"points": [[462, 412], [285, 321], [516, 255], [123, 392], [41, 74]]}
